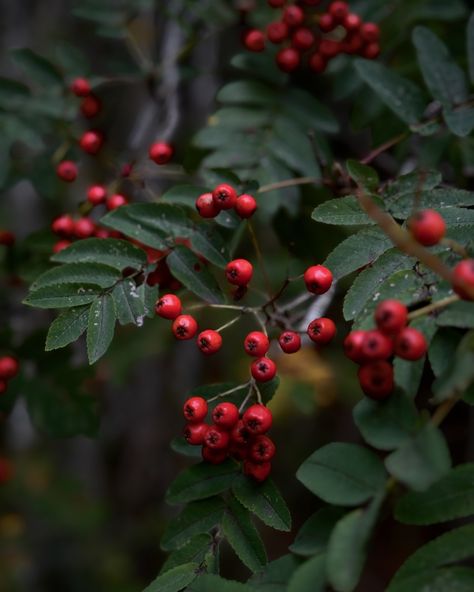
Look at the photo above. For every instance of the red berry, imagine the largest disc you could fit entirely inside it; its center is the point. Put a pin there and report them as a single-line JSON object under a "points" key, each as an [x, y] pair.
{"points": [[277, 32], [240, 434], [245, 206], [3, 386], [263, 369], [90, 106], [224, 196], [376, 346], [102, 233], [216, 438], [161, 152], [168, 306], [293, 16], [322, 330], [61, 245], [258, 471], [225, 415], [8, 367], [370, 32], [317, 63], [427, 227], [303, 38], [338, 10], [206, 206], [353, 346], [84, 228], [288, 59], [391, 316], [376, 379], [239, 272], [238, 451], [91, 142], [371, 51], [276, 3], [290, 342], [463, 279], [329, 48], [195, 409], [353, 43], [318, 279], [63, 225], [256, 344], [184, 327], [326, 23], [194, 433], [7, 239], [213, 455], [352, 22], [80, 87], [67, 171], [410, 344], [6, 470], [257, 419], [96, 194], [254, 40], [262, 449], [116, 201], [209, 341]]}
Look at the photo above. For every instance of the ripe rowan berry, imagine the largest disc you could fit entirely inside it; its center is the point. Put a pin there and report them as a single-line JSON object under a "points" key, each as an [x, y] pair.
{"points": [[256, 344], [7, 238], [328, 48], [161, 152], [322, 330], [90, 106], [61, 245], [209, 341], [427, 227], [391, 316], [317, 63], [326, 23], [168, 306], [352, 22], [288, 59], [371, 51], [338, 10], [463, 279], [293, 16], [290, 342], [262, 449], [263, 369], [254, 40], [213, 455], [91, 142], [240, 434], [67, 171], [353, 43], [238, 451], [353, 346], [184, 327], [216, 437], [225, 415], [245, 206], [3, 386], [206, 206], [277, 32], [194, 433], [63, 225], [9, 367], [303, 39], [96, 194], [117, 200], [370, 32], [80, 87], [224, 196], [410, 344], [376, 346], [102, 233], [195, 409], [84, 228], [239, 272], [258, 471], [318, 279], [376, 379], [257, 419]]}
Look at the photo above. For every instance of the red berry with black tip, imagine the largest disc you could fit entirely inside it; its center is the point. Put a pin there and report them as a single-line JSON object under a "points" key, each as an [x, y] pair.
{"points": [[338, 10], [370, 32], [216, 438], [80, 87], [161, 152], [277, 32], [318, 279], [91, 142], [90, 106], [257, 419], [184, 327], [96, 195], [376, 379], [463, 279], [255, 40], [288, 59], [256, 344], [376, 346], [262, 449], [84, 228], [353, 346], [352, 22], [206, 206], [225, 415], [258, 471], [194, 433], [63, 225], [168, 306], [61, 245], [195, 409], [117, 200], [245, 206], [290, 342], [67, 171], [209, 341], [303, 39], [410, 344], [240, 434], [239, 272], [224, 196], [391, 316], [263, 369], [293, 16], [213, 455], [321, 331], [427, 227], [9, 367]]}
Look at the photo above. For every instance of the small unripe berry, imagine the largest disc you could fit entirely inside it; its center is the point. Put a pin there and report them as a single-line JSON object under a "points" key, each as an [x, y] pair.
{"points": [[303, 39], [427, 227], [7, 238], [194, 433], [67, 171], [206, 206], [209, 341], [338, 10], [290, 342], [9, 367], [254, 40], [353, 346], [213, 455], [410, 344], [391, 316], [216, 438], [322, 330], [257, 419], [240, 434], [263, 369], [256, 344], [318, 279], [225, 415], [376, 379], [184, 327], [168, 306], [326, 23], [239, 272], [91, 142], [245, 206], [262, 449], [258, 471], [317, 63], [84, 228], [116, 201], [370, 32], [224, 196], [61, 245], [90, 106], [352, 22], [96, 195], [376, 346], [63, 225], [288, 59], [195, 409], [293, 16], [80, 87], [277, 32], [161, 152], [463, 279]]}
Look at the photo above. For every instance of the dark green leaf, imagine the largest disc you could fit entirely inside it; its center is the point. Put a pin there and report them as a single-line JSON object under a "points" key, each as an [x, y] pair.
{"points": [[292, 146], [276, 575], [246, 92], [116, 253], [459, 579], [180, 446], [12, 93], [37, 67], [67, 327], [363, 175], [458, 314], [209, 243], [442, 349], [175, 579], [304, 108], [313, 536], [213, 583], [89, 273], [342, 211], [63, 296], [310, 576], [470, 46], [194, 551], [459, 375], [101, 327], [129, 306], [183, 195]]}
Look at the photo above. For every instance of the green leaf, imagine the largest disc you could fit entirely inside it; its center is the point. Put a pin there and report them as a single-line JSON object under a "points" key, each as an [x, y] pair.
{"points": [[421, 460], [246, 92], [213, 583], [194, 551], [242, 536], [265, 501], [67, 327], [37, 67], [209, 243], [304, 108], [100, 328], [201, 481], [310, 576], [175, 579], [116, 253], [183, 195], [363, 175], [313, 536], [411, 184], [459, 579], [12, 93], [386, 424], [459, 375], [196, 518], [442, 198], [449, 498], [129, 306], [458, 314], [442, 349], [460, 120], [90, 273], [342, 474], [342, 211], [63, 295], [400, 95], [291, 145], [179, 445], [191, 272], [276, 575], [470, 46]]}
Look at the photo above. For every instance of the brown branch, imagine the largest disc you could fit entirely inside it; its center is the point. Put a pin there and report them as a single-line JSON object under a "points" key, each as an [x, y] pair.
{"points": [[432, 307], [385, 146], [288, 183]]}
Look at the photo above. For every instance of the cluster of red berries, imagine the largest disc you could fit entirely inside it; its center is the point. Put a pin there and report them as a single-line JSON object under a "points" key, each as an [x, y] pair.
{"points": [[9, 368], [231, 434], [338, 31], [374, 349], [225, 197]]}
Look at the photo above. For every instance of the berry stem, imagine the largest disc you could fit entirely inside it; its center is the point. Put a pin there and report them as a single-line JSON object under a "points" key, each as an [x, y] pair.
{"points": [[229, 324], [229, 392], [143, 62], [454, 246], [257, 392], [433, 306], [383, 147], [287, 183], [61, 151], [247, 398], [443, 410]]}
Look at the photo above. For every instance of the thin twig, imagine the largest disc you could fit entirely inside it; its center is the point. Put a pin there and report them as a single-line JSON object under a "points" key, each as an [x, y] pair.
{"points": [[229, 324], [229, 392], [287, 183], [383, 147], [432, 307]]}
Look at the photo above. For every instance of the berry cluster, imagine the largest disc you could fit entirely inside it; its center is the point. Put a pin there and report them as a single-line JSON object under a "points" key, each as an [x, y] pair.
{"points": [[9, 368], [231, 434], [374, 349], [225, 197], [337, 31]]}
